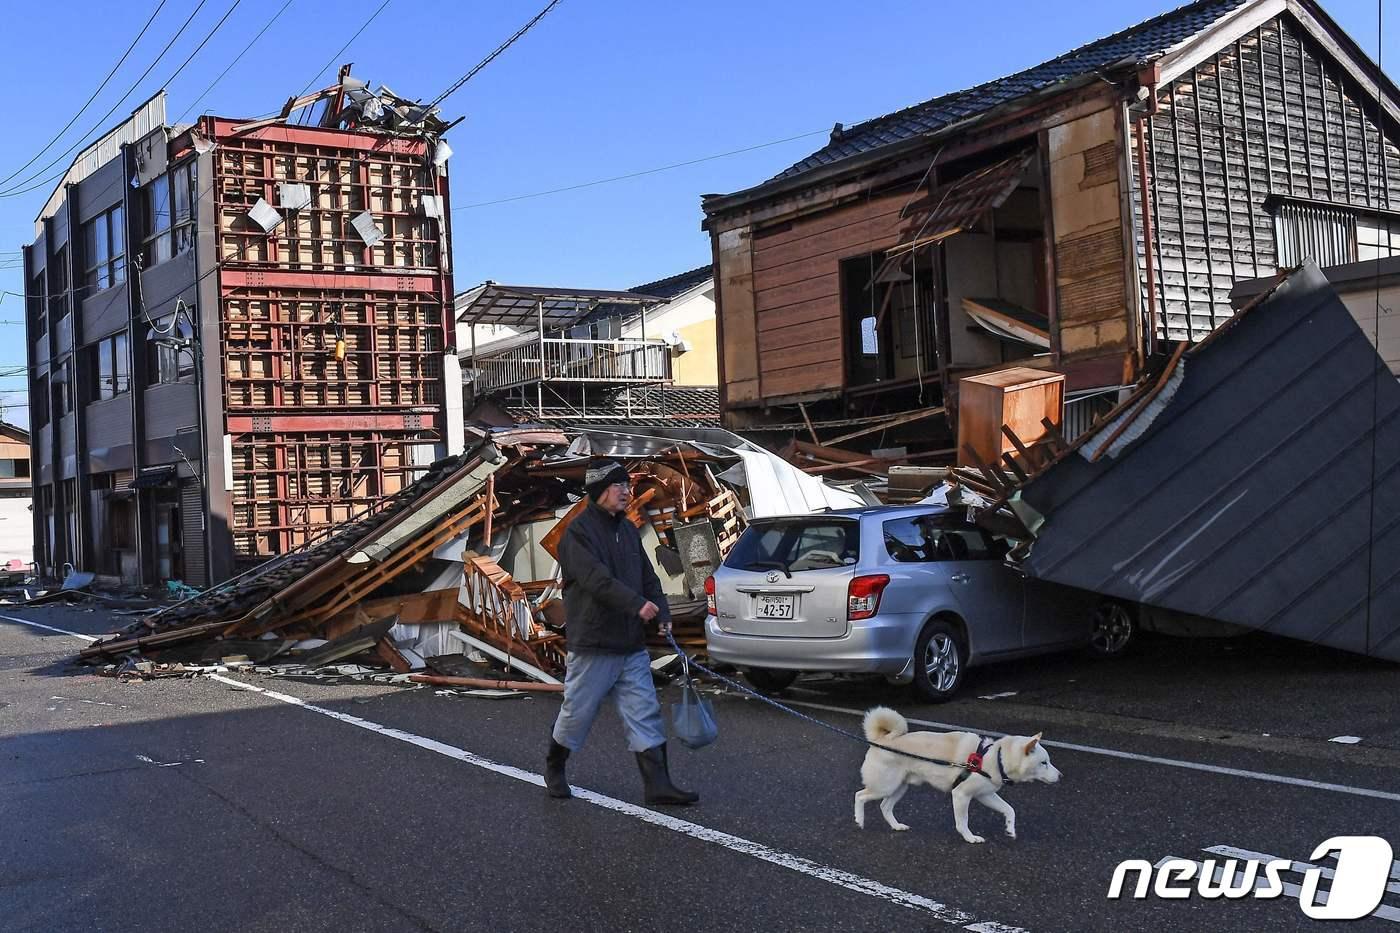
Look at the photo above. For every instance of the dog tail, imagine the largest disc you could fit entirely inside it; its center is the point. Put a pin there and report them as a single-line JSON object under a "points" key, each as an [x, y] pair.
{"points": [[883, 723]]}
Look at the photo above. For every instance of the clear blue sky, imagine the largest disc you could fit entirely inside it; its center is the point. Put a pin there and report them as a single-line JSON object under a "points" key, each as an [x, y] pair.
{"points": [[599, 88]]}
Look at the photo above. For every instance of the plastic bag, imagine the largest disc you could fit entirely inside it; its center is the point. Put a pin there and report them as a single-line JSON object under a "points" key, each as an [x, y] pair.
{"points": [[693, 718]]}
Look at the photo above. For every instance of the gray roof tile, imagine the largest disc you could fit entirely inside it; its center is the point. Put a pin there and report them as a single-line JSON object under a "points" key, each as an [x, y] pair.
{"points": [[1138, 42]]}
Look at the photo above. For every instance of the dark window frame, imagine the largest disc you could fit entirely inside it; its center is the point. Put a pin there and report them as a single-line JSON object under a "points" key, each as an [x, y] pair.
{"points": [[104, 251], [110, 362]]}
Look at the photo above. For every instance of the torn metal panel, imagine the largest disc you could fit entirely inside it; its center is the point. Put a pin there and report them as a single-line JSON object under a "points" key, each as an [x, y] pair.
{"points": [[363, 224], [1264, 491], [264, 215], [293, 196]]}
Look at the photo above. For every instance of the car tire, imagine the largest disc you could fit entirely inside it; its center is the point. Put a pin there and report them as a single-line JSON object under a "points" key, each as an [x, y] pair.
{"points": [[940, 661], [769, 680], [1114, 629]]}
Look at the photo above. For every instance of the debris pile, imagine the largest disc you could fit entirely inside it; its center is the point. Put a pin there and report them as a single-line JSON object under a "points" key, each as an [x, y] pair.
{"points": [[462, 565]]}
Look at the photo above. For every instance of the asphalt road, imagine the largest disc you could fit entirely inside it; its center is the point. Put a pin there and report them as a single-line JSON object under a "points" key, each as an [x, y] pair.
{"points": [[203, 804]]}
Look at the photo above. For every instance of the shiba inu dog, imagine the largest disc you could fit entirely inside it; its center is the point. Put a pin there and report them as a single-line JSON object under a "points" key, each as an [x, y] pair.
{"points": [[1013, 759]]}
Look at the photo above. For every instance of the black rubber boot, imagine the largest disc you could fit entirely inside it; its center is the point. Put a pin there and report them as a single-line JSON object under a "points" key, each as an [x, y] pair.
{"points": [[656, 778], [554, 778]]}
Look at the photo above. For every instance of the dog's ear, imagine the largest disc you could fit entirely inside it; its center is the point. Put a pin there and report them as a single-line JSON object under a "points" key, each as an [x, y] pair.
{"points": [[1035, 740]]}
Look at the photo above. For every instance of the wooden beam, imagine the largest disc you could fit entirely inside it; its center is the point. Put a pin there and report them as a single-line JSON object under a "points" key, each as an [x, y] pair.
{"points": [[802, 407], [894, 422], [484, 683]]}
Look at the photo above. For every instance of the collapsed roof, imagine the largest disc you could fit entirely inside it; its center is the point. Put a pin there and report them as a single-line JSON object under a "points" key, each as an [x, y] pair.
{"points": [[1257, 482]]}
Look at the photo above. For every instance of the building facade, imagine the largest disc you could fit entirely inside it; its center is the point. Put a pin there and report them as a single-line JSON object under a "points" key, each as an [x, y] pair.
{"points": [[1083, 215], [239, 336]]}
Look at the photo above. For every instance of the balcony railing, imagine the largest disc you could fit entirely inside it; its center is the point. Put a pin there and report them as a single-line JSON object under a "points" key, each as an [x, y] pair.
{"points": [[617, 362]]}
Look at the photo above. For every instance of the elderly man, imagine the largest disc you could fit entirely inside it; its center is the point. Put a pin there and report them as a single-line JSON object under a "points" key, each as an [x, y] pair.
{"points": [[610, 594]]}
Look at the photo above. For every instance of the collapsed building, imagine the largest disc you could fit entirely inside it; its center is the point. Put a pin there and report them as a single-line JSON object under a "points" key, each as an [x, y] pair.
{"points": [[464, 559], [239, 333]]}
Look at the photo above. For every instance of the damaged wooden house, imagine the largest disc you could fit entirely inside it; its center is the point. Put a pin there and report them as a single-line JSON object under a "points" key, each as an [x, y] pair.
{"points": [[1079, 217]]}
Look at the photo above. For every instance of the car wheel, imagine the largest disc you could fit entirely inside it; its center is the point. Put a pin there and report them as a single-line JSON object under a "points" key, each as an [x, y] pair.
{"points": [[769, 680], [1114, 629], [940, 659]]}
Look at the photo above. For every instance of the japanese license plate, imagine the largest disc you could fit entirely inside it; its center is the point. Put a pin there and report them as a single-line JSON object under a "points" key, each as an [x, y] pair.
{"points": [[774, 607]]}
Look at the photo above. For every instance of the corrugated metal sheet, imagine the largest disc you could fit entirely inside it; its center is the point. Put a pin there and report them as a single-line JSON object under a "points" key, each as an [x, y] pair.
{"points": [[143, 119], [1266, 491]]}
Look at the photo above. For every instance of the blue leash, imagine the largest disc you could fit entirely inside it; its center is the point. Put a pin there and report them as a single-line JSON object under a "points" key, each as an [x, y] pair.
{"points": [[687, 662]]}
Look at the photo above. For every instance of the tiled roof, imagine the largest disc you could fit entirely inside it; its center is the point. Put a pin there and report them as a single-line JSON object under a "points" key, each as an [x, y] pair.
{"points": [[669, 287], [1135, 43]]}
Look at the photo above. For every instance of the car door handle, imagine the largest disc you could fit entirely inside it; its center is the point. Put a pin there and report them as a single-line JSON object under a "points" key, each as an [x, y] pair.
{"points": [[959, 578]]}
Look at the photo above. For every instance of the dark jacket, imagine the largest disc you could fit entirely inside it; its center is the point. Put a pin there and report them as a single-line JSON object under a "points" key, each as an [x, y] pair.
{"points": [[607, 580]]}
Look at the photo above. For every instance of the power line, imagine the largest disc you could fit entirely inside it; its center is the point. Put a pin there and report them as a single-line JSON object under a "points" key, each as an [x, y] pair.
{"points": [[341, 50], [59, 135], [103, 121], [649, 171], [205, 41], [488, 59], [236, 60]]}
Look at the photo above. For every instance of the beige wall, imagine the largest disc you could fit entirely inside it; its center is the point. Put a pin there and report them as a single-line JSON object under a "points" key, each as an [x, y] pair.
{"points": [[698, 366], [1361, 302]]}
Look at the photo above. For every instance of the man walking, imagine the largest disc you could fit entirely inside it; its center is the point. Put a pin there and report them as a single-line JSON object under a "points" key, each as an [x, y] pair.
{"points": [[611, 593]]}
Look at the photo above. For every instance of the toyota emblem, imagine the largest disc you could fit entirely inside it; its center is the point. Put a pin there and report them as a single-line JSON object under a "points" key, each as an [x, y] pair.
{"points": [[772, 576]]}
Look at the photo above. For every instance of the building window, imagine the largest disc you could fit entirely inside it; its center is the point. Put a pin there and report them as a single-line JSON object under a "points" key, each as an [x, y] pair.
{"points": [[62, 386], [58, 285], [1331, 234], [1377, 237], [37, 304], [40, 411], [104, 250], [110, 367], [170, 351], [169, 216]]}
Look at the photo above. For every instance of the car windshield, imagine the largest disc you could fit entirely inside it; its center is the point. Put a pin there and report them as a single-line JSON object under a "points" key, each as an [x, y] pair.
{"points": [[792, 547]]}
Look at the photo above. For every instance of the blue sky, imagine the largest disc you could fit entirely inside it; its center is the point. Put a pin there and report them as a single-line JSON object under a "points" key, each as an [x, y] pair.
{"points": [[599, 88]]}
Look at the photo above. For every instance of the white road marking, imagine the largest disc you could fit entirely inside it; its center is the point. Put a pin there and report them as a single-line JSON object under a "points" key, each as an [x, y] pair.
{"points": [[1345, 739], [48, 628], [757, 850], [1233, 852], [1148, 759], [998, 696], [159, 764], [1383, 912]]}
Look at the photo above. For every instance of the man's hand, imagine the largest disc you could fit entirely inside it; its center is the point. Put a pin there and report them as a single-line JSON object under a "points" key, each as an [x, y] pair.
{"points": [[649, 611]]}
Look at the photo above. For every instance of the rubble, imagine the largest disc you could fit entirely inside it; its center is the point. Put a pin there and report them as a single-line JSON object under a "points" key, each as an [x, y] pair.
{"points": [[464, 563]]}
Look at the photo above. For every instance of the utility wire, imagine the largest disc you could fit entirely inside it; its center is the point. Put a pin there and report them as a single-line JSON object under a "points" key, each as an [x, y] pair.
{"points": [[649, 171], [238, 58], [103, 121], [336, 57], [488, 59], [59, 135]]}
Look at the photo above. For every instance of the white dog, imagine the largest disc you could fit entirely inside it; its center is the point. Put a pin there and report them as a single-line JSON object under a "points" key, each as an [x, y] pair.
{"points": [[1013, 759]]}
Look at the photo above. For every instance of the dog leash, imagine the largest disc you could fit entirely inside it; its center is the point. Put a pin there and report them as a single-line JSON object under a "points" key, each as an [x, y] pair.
{"points": [[972, 766]]}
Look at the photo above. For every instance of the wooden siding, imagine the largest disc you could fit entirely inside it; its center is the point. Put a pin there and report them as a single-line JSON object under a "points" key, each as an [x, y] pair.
{"points": [[797, 291], [1269, 114]]}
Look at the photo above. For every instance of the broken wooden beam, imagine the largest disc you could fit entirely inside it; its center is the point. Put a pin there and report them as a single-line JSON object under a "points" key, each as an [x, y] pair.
{"points": [[485, 683]]}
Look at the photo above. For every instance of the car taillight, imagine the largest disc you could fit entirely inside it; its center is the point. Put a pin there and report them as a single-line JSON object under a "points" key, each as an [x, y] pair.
{"points": [[710, 595], [863, 596]]}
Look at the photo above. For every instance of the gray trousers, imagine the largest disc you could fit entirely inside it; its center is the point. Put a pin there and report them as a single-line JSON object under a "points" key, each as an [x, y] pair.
{"points": [[590, 678]]}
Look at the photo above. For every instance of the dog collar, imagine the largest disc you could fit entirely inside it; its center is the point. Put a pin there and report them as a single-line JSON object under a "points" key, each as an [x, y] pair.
{"points": [[1002, 771]]}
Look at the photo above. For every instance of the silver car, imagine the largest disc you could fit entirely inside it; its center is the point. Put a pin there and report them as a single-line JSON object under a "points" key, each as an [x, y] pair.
{"points": [[916, 593]]}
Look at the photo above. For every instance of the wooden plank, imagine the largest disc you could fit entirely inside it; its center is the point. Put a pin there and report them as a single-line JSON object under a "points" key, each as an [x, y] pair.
{"points": [[485, 683], [810, 312], [837, 221], [908, 418], [782, 296], [815, 333], [390, 655]]}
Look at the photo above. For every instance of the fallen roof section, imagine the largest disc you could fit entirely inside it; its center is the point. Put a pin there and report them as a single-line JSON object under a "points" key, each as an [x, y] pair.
{"points": [[1257, 482], [527, 305]]}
